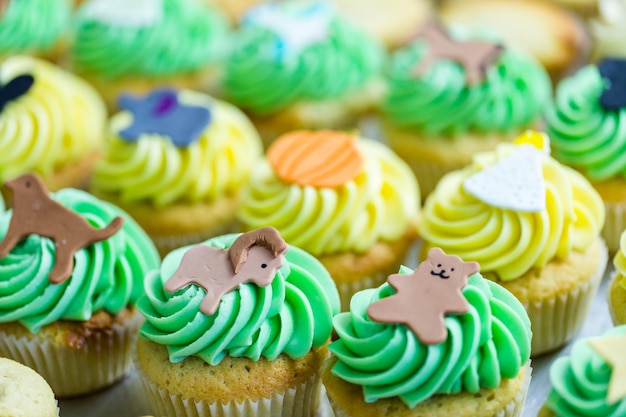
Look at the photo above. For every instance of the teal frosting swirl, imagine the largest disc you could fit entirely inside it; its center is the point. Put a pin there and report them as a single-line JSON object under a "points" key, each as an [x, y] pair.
{"points": [[580, 383], [490, 342], [107, 275], [261, 81], [291, 315], [512, 95], [189, 36], [32, 26], [582, 133]]}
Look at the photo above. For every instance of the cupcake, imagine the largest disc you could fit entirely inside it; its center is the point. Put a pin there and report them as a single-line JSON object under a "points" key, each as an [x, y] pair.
{"points": [[51, 123], [452, 95], [588, 132], [236, 326], [298, 66], [176, 161], [136, 46], [71, 270], [34, 27], [439, 341], [24, 392], [559, 40], [617, 288], [532, 224], [590, 381], [608, 30], [347, 200]]}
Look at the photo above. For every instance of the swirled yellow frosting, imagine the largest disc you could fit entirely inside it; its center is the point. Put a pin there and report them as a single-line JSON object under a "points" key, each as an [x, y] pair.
{"points": [[505, 241], [154, 170], [378, 204], [57, 122]]}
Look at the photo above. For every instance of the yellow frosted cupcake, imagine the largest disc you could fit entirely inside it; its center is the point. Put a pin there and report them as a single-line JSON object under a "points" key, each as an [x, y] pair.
{"points": [[617, 288], [236, 326], [533, 225], [24, 392], [348, 200], [175, 161], [439, 341], [51, 123], [608, 30]]}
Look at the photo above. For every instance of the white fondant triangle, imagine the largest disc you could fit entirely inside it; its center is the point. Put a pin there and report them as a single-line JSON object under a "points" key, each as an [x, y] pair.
{"points": [[515, 182], [131, 13]]}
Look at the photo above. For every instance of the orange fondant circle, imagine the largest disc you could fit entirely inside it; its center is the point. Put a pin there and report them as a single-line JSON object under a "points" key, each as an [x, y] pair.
{"points": [[322, 158]]}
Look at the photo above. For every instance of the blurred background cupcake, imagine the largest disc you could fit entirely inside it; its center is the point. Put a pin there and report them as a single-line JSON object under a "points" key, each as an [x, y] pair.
{"points": [[533, 225], [297, 65], [236, 326], [71, 270], [608, 30], [24, 392], [589, 381], [51, 123], [40, 28], [135, 46], [439, 341], [348, 200], [451, 95], [587, 128], [176, 160], [617, 289]]}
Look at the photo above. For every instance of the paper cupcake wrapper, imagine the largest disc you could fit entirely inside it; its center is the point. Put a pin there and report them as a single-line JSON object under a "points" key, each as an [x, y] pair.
{"points": [[512, 409], [557, 320], [614, 225], [71, 372], [614, 317], [348, 289], [166, 244], [301, 400]]}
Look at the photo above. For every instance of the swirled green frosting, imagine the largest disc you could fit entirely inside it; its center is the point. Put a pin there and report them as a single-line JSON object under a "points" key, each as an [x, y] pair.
{"points": [[512, 95], [291, 315], [260, 80], [189, 36], [580, 383], [107, 275], [484, 345], [32, 26], [583, 134]]}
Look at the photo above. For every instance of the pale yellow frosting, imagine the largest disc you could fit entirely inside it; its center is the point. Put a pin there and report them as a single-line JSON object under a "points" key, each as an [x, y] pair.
{"points": [[507, 242], [57, 122], [608, 29], [154, 170], [620, 260], [379, 204]]}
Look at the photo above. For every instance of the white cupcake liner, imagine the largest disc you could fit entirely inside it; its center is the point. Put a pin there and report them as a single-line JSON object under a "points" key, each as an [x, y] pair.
{"points": [[512, 409], [105, 359], [557, 320], [614, 225], [300, 400]]}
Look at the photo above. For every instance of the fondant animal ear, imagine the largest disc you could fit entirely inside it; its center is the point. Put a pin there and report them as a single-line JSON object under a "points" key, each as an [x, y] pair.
{"points": [[470, 268], [435, 253]]}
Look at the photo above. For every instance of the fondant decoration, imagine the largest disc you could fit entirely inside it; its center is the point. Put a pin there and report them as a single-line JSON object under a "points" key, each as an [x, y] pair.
{"points": [[322, 158], [475, 56], [513, 183], [135, 13], [423, 298], [613, 350], [161, 113], [297, 25], [254, 256], [613, 70], [539, 140], [15, 89], [34, 212]]}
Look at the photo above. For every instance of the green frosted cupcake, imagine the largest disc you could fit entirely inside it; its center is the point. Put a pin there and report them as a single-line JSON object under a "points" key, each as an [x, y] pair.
{"points": [[70, 316], [297, 66], [222, 343]]}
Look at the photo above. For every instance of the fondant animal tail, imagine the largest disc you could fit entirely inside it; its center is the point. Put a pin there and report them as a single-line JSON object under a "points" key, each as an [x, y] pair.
{"points": [[110, 230]]}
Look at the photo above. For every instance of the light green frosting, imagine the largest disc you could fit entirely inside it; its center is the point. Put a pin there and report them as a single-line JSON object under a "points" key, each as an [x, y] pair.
{"points": [[260, 79], [511, 97], [32, 26], [484, 345], [189, 36], [580, 383], [379, 204], [583, 134], [107, 275], [291, 315]]}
